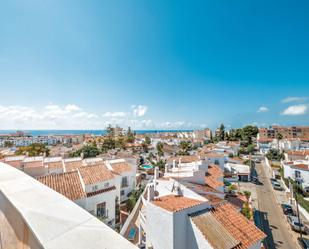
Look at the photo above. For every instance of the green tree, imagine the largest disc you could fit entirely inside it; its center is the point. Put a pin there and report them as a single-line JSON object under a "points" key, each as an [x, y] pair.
{"points": [[147, 140], [249, 132], [35, 149], [185, 147], [221, 132], [144, 146], [86, 151], [274, 154], [159, 148], [8, 144], [130, 135], [279, 138]]}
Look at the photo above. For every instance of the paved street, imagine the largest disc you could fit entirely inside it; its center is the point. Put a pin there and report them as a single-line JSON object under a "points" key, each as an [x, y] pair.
{"points": [[270, 216]]}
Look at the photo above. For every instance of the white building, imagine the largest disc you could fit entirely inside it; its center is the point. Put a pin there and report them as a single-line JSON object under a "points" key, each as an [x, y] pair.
{"points": [[125, 175], [171, 215], [298, 171], [217, 159], [91, 187], [237, 172]]}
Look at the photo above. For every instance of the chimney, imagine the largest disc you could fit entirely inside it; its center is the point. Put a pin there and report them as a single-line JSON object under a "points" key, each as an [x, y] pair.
{"points": [[150, 192], [156, 175]]}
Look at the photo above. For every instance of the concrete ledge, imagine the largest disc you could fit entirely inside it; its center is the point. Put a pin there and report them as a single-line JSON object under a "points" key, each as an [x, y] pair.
{"points": [[48, 218]]}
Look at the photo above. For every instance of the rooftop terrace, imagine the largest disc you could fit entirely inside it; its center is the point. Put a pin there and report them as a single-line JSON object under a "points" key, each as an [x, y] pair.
{"points": [[35, 216]]}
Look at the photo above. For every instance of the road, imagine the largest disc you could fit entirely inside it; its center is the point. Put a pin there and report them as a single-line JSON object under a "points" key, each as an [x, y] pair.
{"points": [[270, 216]]}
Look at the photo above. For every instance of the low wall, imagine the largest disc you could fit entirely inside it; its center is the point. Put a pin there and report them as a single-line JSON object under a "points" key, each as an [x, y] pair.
{"points": [[35, 216]]}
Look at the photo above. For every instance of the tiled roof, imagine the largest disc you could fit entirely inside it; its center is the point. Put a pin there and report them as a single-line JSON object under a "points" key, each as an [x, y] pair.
{"points": [[237, 225], [299, 153], [214, 232], [54, 165], [33, 164], [72, 165], [214, 155], [237, 201], [200, 189], [101, 191], [174, 203], [184, 159], [121, 167], [95, 173], [67, 184], [300, 166], [214, 176]]}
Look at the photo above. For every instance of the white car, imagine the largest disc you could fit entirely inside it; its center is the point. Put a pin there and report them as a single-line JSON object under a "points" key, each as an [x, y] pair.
{"points": [[295, 224]]}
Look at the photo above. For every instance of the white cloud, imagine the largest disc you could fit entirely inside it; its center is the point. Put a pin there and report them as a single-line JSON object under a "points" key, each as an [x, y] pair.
{"points": [[263, 109], [295, 110], [114, 114], [72, 108], [53, 116], [139, 111], [294, 99]]}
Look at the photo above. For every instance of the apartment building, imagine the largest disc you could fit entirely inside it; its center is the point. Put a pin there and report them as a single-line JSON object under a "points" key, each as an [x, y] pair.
{"points": [[301, 132]]}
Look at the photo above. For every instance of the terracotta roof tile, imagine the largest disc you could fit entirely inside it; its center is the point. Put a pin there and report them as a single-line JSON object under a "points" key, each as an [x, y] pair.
{"points": [[213, 231], [214, 176], [95, 173], [174, 203], [237, 225], [101, 191], [214, 155], [34, 164], [67, 184], [300, 166], [119, 168], [184, 159], [72, 165], [54, 165]]}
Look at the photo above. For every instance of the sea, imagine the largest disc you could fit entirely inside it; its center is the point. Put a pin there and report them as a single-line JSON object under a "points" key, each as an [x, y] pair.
{"points": [[36, 133]]}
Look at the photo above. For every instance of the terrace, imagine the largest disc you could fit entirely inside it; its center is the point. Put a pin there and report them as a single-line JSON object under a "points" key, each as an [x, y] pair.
{"points": [[35, 216]]}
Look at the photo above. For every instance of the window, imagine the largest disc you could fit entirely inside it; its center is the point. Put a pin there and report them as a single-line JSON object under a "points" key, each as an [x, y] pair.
{"points": [[297, 174], [94, 188], [106, 185], [124, 182], [122, 192], [216, 162], [101, 209]]}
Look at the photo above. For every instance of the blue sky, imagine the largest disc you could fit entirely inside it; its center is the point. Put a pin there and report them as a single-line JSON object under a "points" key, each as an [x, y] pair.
{"points": [[153, 64]]}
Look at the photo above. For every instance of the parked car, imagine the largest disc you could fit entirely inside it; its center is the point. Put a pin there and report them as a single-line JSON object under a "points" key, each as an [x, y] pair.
{"points": [[295, 224], [304, 243], [277, 186], [287, 209], [273, 180]]}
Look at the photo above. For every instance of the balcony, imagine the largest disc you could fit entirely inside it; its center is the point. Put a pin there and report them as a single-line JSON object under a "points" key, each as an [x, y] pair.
{"points": [[35, 216]]}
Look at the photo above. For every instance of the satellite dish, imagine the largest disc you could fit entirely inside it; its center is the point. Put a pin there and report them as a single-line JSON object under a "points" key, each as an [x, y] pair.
{"points": [[156, 193]]}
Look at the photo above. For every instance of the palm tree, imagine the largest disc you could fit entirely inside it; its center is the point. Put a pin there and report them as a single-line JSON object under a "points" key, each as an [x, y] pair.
{"points": [[279, 137]]}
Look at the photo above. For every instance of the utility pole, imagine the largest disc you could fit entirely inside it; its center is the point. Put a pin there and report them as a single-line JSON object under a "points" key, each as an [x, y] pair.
{"points": [[299, 222]]}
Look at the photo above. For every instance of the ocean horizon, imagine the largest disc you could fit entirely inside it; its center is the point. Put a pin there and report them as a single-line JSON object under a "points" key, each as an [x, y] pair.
{"points": [[80, 132]]}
